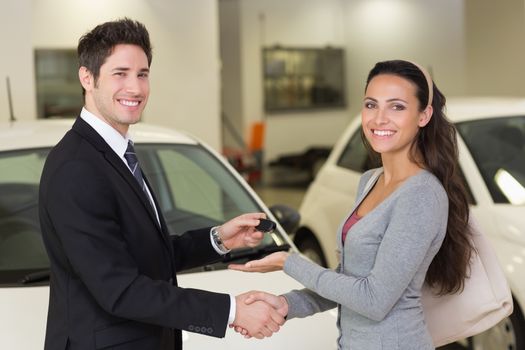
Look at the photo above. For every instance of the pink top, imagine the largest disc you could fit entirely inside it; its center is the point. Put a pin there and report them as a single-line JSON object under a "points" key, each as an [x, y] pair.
{"points": [[349, 223]]}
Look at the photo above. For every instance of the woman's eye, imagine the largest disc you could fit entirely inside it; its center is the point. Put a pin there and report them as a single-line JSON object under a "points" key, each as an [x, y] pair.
{"points": [[369, 105], [398, 107]]}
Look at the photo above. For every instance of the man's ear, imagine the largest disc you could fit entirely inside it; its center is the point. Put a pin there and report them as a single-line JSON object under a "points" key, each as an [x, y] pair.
{"points": [[86, 78], [425, 116]]}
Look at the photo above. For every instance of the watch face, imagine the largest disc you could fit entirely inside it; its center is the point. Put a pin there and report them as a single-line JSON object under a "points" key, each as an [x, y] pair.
{"points": [[215, 234], [217, 240]]}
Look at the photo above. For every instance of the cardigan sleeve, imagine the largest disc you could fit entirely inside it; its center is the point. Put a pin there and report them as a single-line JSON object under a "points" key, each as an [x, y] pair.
{"points": [[305, 302]]}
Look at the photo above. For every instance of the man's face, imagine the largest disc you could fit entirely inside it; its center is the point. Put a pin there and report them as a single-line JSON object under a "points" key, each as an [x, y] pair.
{"points": [[120, 94]]}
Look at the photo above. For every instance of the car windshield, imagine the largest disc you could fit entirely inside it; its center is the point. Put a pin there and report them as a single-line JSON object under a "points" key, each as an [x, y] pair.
{"points": [[498, 148], [21, 247], [193, 188]]}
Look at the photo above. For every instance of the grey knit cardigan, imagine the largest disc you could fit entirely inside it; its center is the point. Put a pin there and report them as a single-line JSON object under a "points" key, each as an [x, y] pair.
{"points": [[383, 263]]}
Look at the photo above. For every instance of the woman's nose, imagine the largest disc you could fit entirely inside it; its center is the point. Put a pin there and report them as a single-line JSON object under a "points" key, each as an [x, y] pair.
{"points": [[381, 116]]}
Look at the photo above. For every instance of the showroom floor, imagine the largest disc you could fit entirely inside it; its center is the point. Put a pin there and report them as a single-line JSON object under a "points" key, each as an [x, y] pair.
{"points": [[292, 195]]}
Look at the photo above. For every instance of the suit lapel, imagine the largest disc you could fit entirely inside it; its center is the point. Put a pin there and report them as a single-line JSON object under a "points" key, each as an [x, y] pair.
{"points": [[87, 132], [163, 225]]}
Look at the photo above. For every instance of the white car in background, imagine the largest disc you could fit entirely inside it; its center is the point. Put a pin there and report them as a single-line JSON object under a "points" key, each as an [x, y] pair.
{"points": [[491, 139], [195, 186]]}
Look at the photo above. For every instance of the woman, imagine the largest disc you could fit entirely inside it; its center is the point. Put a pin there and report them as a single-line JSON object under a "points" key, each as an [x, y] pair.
{"points": [[408, 225]]}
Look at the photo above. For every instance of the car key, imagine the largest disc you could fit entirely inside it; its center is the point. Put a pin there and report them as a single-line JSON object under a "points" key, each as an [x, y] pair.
{"points": [[265, 225]]}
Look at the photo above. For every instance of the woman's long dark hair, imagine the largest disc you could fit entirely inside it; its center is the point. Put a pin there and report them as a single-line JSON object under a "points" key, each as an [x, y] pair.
{"points": [[438, 146]]}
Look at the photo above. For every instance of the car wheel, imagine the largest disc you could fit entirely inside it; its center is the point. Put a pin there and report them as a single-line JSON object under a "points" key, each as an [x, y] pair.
{"points": [[311, 249], [506, 335]]}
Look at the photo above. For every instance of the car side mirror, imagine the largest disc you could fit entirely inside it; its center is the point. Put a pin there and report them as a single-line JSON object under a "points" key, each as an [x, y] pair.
{"points": [[287, 216]]}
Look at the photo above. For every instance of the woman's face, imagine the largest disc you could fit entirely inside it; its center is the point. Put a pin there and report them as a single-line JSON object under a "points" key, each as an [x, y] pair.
{"points": [[391, 115]]}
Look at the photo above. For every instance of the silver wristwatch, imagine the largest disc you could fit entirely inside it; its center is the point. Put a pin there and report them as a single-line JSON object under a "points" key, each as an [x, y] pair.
{"points": [[217, 239]]}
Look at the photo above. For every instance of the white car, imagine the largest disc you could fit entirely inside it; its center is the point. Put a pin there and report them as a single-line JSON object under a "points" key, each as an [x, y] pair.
{"points": [[491, 143], [195, 186]]}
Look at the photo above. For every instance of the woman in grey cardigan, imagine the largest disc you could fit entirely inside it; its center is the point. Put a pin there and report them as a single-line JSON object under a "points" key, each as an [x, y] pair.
{"points": [[408, 225]]}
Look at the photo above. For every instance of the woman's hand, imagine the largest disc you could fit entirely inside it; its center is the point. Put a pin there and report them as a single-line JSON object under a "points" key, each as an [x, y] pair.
{"points": [[272, 262]]}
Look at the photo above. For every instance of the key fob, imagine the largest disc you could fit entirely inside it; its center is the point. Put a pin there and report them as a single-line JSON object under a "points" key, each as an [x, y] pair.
{"points": [[265, 225]]}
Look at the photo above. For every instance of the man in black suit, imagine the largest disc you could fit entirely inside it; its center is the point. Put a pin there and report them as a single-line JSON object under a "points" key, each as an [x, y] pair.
{"points": [[113, 263]]}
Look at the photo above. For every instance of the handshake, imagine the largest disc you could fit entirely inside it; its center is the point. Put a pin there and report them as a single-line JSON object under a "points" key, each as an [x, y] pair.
{"points": [[259, 314]]}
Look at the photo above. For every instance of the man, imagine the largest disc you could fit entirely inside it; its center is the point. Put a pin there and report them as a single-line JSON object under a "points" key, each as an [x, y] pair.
{"points": [[113, 263]]}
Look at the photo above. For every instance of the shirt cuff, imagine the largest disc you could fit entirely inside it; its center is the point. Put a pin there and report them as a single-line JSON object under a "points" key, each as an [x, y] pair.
{"points": [[233, 309]]}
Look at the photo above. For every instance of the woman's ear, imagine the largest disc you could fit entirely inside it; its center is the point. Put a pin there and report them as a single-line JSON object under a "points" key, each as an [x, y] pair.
{"points": [[86, 78], [425, 116]]}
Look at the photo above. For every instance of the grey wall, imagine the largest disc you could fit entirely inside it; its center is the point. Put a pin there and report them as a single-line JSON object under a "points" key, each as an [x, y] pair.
{"points": [[185, 75], [16, 60], [495, 42], [427, 31]]}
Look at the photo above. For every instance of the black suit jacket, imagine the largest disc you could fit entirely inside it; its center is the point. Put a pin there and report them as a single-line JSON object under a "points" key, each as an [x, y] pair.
{"points": [[113, 266]]}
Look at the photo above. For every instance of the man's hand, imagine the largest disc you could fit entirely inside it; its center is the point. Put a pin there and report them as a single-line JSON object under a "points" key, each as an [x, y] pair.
{"points": [[272, 262], [258, 318], [240, 231], [277, 302]]}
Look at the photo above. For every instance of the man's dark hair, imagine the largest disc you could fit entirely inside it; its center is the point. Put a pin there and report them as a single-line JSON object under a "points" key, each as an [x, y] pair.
{"points": [[95, 46]]}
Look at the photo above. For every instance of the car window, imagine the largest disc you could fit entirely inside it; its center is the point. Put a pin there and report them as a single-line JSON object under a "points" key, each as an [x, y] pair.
{"points": [[193, 188], [498, 148], [355, 156], [21, 246]]}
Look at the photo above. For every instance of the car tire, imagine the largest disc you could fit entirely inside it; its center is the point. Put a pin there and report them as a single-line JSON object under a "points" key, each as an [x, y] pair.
{"points": [[508, 334], [311, 249]]}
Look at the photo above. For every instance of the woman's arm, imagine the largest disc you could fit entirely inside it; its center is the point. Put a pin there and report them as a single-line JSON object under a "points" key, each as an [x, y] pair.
{"points": [[417, 219]]}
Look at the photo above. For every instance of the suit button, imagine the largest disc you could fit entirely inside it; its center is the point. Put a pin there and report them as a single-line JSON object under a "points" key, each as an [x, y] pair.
{"points": [[197, 329], [170, 280], [209, 330], [190, 328]]}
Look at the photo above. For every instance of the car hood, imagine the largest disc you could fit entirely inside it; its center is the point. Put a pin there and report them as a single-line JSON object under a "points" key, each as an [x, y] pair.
{"points": [[504, 221], [46, 133], [26, 309]]}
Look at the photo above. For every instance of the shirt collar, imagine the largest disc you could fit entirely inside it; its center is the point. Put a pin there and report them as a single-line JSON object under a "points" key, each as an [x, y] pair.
{"points": [[113, 138]]}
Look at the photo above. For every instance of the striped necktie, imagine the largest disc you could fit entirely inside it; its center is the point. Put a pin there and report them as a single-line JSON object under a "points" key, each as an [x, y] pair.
{"points": [[133, 162]]}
